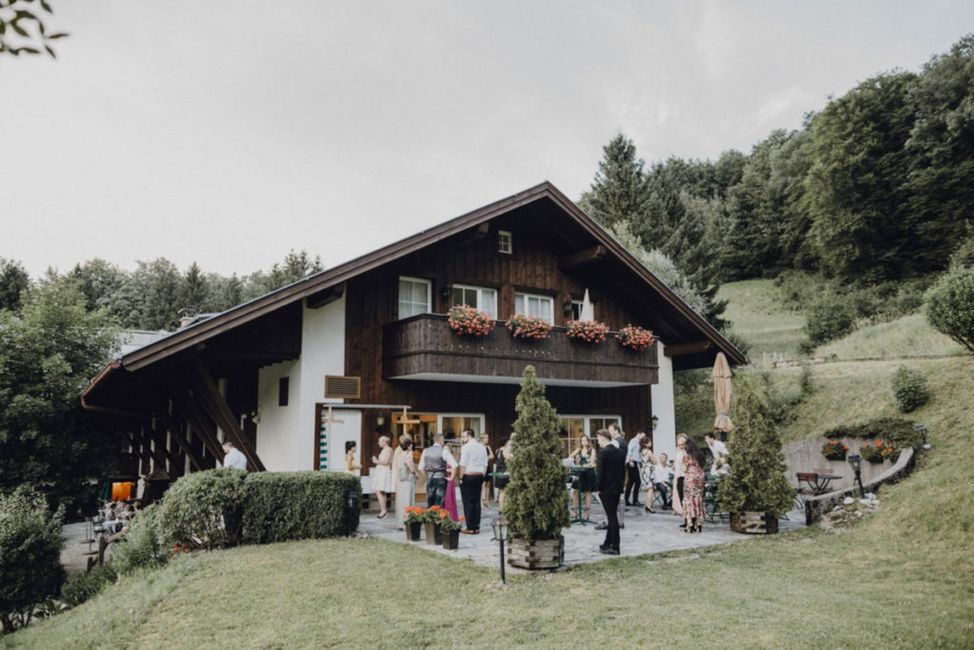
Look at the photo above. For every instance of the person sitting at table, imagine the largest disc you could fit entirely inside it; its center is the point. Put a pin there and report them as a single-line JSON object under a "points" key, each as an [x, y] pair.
{"points": [[646, 470], [719, 452], [584, 456], [663, 480]]}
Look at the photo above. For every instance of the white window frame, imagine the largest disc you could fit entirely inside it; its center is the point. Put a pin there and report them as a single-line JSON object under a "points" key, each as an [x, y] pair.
{"points": [[479, 416], [527, 300], [587, 428], [480, 296], [581, 305], [429, 294], [505, 237]]}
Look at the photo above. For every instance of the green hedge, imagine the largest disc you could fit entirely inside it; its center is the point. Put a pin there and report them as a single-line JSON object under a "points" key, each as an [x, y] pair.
{"points": [[197, 505], [143, 544], [279, 506], [897, 430]]}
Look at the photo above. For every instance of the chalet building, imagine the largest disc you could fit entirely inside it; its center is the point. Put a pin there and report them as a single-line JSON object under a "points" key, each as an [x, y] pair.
{"points": [[365, 349]]}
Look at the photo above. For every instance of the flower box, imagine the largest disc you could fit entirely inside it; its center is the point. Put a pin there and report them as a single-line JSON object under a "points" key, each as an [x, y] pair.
{"points": [[835, 450], [470, 321], [528, 327], [635, 338], [877, 452], [587, 331]]}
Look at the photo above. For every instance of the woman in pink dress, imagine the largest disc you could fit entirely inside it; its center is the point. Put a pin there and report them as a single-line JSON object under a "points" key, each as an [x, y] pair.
{"points": [[450, 500], [693, 487]]}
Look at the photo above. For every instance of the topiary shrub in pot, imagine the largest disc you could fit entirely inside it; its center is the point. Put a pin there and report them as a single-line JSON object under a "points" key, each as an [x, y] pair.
{"points": [[756, 492], [536, 502]]}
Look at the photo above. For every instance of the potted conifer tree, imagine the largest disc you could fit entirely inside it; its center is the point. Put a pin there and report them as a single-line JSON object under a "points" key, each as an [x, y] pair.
{"points": [[756, 492], [536, 502]]}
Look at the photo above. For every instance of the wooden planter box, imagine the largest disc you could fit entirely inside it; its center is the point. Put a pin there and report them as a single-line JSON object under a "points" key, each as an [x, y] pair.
{"points": [[754, 523], [451, 539], [413, 530], [433, 534], [538, 554]]}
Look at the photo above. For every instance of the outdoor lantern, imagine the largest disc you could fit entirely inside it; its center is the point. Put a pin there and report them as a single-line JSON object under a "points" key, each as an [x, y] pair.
{"points": [[380, 420], [855, 461], [351, 502], [655, 421], [922, 430], [500, 534]]}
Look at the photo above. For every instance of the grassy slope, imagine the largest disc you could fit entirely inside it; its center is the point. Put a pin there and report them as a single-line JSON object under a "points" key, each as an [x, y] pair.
{"points": [[756, 314], [910, 336]]}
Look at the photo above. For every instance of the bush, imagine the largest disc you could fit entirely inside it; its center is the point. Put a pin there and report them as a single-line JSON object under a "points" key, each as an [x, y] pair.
{"points": [[963, 257], [143, 544], [897, 430], [30, 556], [201, 510], [910, 389], [279, 506], [949, 306], [827, 318], [80, 587]]}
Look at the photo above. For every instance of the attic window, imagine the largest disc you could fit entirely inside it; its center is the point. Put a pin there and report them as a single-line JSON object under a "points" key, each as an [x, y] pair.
{"points": [[505, 242], [338, 387]]}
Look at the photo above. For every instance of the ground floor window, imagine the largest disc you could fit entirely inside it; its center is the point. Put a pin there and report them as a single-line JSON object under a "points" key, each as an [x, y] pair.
{"points": [[451, 424], [573, 427]]}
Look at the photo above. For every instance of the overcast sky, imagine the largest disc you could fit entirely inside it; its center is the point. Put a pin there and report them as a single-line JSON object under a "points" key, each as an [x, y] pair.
{"points": [[230, 132]]}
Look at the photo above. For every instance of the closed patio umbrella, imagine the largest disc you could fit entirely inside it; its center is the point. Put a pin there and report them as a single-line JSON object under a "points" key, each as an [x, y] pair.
{"points": [[588, 309], [722, 394]]}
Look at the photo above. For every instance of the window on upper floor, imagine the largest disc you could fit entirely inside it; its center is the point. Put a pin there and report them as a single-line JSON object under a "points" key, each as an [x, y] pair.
{"points": [[531, 304], [415, 297], [505, 242], [479, 297], [577, 309]]}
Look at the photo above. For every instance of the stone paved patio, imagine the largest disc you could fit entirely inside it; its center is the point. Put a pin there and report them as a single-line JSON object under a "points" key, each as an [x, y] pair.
{"points": [[644, 533]]}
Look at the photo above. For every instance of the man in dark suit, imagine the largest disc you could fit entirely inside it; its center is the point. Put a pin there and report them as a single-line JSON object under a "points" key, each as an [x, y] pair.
{"points": [[611, 468]]}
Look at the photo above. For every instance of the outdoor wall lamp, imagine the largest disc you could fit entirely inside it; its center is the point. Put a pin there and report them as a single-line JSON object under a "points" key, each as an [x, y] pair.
{"points": [[380, 420], [855, 461], [655, 421], [500, 534]]}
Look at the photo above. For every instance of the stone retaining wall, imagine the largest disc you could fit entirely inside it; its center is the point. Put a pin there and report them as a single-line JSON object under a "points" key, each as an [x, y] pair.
{"points": [[815, 507]]}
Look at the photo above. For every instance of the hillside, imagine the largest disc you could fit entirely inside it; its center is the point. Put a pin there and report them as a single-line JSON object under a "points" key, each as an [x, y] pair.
{"points": [[757, 314]]}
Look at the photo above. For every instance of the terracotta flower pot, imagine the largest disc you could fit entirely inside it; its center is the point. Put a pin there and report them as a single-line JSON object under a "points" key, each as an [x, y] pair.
{"points": [[451, 539]]}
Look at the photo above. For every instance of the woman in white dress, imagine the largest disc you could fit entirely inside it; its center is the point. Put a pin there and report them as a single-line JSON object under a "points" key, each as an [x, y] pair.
{"points": [[405, 480], [382, 474]]}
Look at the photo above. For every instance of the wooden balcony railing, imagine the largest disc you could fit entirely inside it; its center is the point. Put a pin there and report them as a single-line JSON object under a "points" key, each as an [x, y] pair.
{"points": [[424, 347]]}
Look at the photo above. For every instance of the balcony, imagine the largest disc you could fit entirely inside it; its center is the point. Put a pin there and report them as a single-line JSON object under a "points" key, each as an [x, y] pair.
{"points": [[424, 348]]}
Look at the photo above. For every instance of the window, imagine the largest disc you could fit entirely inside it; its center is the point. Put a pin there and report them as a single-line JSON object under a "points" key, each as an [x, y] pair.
{"points": [[574, 426], [282, 391], [577, 309], [534, 305], [451, 424], [505, 242], [414, 297], [478, 297]]}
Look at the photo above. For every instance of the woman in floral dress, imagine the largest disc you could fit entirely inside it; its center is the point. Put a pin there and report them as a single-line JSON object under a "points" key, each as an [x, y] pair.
{"points": [[693, 487]]}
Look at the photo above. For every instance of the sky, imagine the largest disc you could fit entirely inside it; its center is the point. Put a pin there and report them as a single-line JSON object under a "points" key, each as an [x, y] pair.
{"points": [[228, 133]]}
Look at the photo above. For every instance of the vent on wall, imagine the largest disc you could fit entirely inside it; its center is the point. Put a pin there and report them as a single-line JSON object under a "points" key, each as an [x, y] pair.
{"points": [[339, 387]]}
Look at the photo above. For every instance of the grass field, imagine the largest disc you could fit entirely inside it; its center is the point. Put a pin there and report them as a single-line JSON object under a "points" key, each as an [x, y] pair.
{"points": [[757, 315], [910, 336]]}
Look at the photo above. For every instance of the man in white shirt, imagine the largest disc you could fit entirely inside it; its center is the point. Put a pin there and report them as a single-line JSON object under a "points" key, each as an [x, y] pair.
{"points": [[663, 480], [434, 463], [719, 451], [233, 457], [472, 472], [634, 460]]}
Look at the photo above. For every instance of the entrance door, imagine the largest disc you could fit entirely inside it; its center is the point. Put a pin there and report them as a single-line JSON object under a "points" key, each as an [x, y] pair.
{"points": [[346, 425]]}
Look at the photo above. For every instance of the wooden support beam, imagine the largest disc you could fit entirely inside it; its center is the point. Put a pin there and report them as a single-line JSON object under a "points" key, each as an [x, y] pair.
{"points": [[158, 458], [587, 256], [140, 450], [176, 463], [191, 411], [219, 411], [187, 449], [680, 349]]}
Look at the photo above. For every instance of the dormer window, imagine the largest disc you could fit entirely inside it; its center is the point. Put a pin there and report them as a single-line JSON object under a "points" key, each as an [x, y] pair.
{"points": [[505, 242]]}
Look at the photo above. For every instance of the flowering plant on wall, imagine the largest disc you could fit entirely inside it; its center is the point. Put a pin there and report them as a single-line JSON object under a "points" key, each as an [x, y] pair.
{"points": [[470, 321], [588, 331], [876, 452], [528, 327], [835, 450], [635, 338]]}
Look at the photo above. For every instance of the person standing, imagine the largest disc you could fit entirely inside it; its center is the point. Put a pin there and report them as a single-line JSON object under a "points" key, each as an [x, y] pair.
{"points": [[488, 488], [681, 443], [584, 483], [351, 466], [634, 462], [405, 480], [382, 475], [472, 469], [500, 466], [646, 470], [433, 463], [233, 457], [611, 467], [694, 479]]}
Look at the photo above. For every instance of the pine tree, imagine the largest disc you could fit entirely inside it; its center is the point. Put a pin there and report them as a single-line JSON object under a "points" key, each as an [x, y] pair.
{"points": [[536, 504], [619, 189], [195, 291], [757, 481]]}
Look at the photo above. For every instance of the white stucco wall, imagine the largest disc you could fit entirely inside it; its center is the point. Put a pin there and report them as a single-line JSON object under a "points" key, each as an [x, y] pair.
{"points": [[286, 434], [664, 437]]}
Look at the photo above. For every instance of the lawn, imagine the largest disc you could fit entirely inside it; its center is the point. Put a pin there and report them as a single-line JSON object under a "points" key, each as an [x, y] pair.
{"points": [[757, 314], [904, 578], [909, 336]]}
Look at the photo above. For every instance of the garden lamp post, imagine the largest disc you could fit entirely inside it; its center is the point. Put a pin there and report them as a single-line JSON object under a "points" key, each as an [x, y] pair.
{"points": [[500, 534], [351, 502], [855, 461]]}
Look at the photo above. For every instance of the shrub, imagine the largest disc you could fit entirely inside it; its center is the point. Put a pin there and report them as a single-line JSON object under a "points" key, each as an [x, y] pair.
{"points": [[142, 545], [897, 430], [949, 306], [757, 482], [834, 450], [910, 389], [200, 509], [536, 502], [80, 587], [30, 556], [963, 257], [828, 318], [279, 506], [876, 452]]}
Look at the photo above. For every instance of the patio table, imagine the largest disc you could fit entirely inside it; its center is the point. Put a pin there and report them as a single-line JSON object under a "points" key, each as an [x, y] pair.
{"points": [[817, 483], [579, 472]]}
